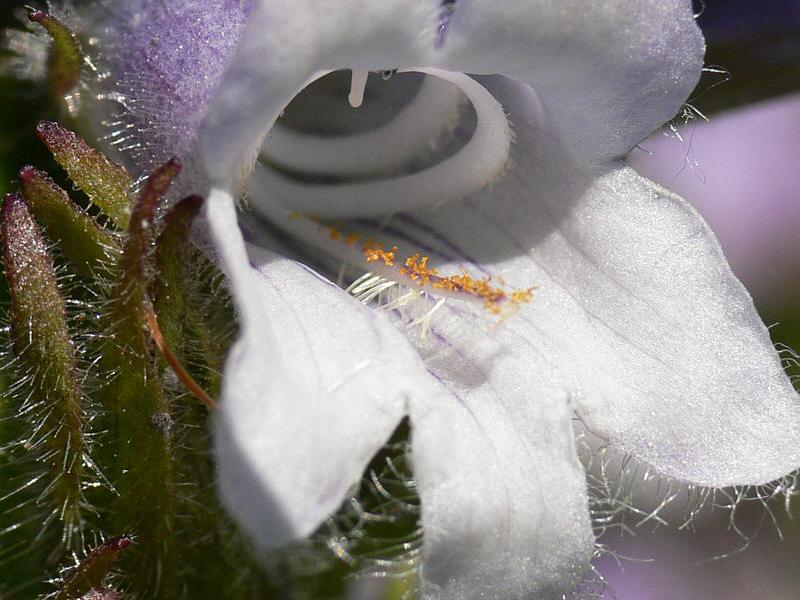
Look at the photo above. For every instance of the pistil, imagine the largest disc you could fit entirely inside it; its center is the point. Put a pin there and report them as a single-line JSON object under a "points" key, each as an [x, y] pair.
{"points": [[358, 86]]}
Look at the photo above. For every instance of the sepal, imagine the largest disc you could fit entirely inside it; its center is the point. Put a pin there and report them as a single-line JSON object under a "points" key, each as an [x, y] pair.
{"points": [[87, 246], [87, 579], [66, 58], [47, 363], [139, 413], [174, 253], [107, 184]]}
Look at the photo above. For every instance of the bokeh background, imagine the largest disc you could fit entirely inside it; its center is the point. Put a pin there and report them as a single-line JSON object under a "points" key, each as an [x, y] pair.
{"points": [[738, 161]]}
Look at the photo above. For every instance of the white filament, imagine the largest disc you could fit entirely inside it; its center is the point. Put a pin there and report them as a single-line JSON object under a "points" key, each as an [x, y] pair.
{"points": [[479, 161]]}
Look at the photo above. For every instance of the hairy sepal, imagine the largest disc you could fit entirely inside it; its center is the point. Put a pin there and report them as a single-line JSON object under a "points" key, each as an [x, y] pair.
{"points": [[138, 412], [89, 575], [173, 285], [65, 61], [46, 359], [86, 245], [107, 184]]}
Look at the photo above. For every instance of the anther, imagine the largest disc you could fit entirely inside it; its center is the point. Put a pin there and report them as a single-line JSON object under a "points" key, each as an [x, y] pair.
{"points": [[411, 271]]}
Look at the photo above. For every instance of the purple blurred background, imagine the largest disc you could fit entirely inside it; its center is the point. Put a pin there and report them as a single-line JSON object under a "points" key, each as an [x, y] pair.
{"points": [[741, 169]]}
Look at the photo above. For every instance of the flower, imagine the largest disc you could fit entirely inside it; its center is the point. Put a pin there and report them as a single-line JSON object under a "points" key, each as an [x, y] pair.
{"points": [[637, 326]]}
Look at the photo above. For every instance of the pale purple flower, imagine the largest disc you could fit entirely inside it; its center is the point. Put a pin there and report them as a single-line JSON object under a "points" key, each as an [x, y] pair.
{"points": [[638, 327]]}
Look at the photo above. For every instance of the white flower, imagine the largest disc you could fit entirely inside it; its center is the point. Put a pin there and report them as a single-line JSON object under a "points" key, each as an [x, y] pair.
{"points": [[637, 327]]}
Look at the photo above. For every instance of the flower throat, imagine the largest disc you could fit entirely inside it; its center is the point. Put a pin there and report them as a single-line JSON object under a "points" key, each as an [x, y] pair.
{"points": [[422, 139]]}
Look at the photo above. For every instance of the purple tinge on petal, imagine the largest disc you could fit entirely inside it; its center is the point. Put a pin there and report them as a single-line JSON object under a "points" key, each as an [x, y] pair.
{"points": [[446, 12], [167, 59]]}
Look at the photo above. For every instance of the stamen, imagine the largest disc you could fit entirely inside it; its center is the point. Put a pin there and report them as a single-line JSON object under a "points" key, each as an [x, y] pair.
{"points": [[388, 267], [358, 86]]}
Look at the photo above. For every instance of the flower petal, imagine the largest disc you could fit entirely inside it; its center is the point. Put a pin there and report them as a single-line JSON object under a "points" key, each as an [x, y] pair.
{"points": [[658, 345], [607, 73], [486, 458], [704, 396], [754, 211], [313, 388], [504, 502], [482, 158], [288, 44]]}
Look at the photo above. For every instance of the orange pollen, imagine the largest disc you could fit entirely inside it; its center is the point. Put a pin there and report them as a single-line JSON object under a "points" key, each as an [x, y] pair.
{"points": [[416, 268], [376, 253], [480, 288], [496, 298], [522, 296]]}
